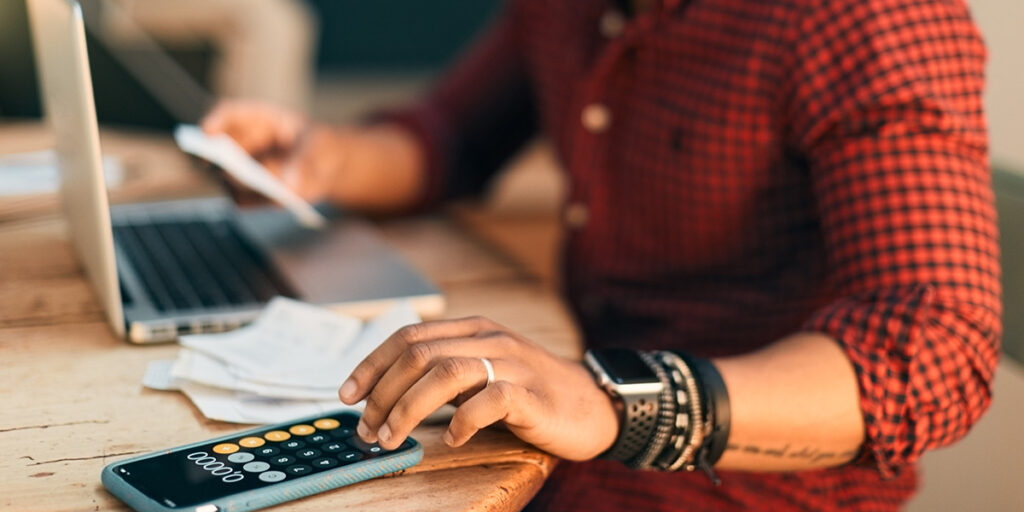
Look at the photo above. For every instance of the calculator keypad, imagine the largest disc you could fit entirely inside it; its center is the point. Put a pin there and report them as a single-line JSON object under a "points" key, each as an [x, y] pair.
{"points": [[290, 452]]}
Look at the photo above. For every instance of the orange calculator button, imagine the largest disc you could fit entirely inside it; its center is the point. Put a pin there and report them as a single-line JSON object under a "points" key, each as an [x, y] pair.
{"points": [[277, 435], [302, 430], [251, 442], [226, 448], [326, 424]]}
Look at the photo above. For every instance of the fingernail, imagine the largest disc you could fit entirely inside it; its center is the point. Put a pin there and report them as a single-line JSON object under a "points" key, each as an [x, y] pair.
{"points": [[447, 438], [384, 434], [348, 390]]}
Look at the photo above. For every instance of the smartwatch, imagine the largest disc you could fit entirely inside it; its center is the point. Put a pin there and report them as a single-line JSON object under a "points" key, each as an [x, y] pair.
{"points": [[624, 375]]}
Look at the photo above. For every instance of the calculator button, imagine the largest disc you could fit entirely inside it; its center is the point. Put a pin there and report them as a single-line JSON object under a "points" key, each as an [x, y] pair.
{"points": [[225, 448], [308, 453], [294, 444], [268, 451], [350, 456], [302, 430], [326, 424], [342, 433], [241, 457], [282, 460], [298, 470], [277, 435], [363, 446], [272, 476], [324, 463], [334, 447], [318, 438], [251, 442], [256, 466]]}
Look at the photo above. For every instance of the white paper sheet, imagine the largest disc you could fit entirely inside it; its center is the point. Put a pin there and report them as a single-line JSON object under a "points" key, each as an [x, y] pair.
{"points": [[287, 363], [228, 155]]}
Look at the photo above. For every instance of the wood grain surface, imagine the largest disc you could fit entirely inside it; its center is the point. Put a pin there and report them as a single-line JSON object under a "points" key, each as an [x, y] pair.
{"points": [[72, 393]]}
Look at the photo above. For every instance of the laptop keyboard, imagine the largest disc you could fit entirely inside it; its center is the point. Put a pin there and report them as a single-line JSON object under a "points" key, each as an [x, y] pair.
{"points": [[198, 264]]}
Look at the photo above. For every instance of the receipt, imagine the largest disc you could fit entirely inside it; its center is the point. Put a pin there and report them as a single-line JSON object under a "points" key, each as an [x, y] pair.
{"points": [[223, 151], [287, 363]]}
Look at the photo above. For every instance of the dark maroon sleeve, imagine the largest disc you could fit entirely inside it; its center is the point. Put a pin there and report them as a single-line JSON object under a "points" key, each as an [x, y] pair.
{"points": [[475, 118]]}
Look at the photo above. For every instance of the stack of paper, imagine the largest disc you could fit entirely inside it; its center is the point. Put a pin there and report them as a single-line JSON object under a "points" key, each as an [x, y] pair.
{"points": [[287, 363]]}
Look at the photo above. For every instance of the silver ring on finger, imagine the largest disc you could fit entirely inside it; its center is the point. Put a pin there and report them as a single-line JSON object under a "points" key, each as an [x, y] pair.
{"points": [[490, 369]]}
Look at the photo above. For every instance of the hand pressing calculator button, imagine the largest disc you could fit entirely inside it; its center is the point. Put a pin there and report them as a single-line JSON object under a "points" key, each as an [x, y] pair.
{"points": [[258, 467]]}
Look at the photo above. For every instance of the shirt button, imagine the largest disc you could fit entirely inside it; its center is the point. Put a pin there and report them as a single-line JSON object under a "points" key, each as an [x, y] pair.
{"points": [[576, 215], [612, 23], [596, 117]]}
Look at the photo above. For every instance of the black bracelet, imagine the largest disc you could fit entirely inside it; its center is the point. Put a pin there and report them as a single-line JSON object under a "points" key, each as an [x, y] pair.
{"points": [[716, 396]]}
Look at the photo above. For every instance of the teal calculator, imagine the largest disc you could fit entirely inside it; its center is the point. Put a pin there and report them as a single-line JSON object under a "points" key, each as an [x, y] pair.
{"points": [[256, 468]]}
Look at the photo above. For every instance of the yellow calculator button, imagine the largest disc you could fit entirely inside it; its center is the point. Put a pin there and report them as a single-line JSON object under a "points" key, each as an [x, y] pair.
{"points": [[226, 448], [326, 424], [277, 435], [251, 442], [302, 430]]}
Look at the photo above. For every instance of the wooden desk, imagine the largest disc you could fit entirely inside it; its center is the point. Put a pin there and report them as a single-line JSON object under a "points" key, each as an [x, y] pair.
{"points": [[71, 391]]}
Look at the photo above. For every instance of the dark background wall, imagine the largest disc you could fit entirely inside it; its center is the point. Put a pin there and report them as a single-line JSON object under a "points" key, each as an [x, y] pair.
{"points": [[356, 37]]}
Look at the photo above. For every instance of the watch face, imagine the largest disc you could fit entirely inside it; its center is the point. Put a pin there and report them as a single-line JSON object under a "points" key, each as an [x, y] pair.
{"points": [[624, 366]]}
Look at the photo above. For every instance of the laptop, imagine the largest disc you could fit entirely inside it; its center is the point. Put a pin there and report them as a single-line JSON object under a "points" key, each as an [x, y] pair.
{"points": [[164, 269]]}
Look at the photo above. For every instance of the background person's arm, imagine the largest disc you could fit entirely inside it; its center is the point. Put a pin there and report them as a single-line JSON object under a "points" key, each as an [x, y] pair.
{"points": [[446, 145]]}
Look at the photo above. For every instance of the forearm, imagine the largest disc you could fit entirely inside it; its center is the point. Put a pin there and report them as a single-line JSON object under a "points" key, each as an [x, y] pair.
{"points": [[794, 406], [385, 170]]}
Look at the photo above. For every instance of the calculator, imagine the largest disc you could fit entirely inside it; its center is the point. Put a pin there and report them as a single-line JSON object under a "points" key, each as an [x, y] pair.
{"points": [[256, 468]]}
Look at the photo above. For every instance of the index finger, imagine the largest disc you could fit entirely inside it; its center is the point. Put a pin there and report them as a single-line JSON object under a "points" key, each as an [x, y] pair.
{"points": [[369, 371]]}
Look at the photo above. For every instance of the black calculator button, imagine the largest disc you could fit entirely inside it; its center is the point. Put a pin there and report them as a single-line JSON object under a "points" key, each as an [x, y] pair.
{"points": [[350, 456], [293, 444], [268, 451], [367, 448], [272, 476], [342, 433], [298, 470], [324, 463], [282, 460], [334, 447], [318, 438], [308, 453]]}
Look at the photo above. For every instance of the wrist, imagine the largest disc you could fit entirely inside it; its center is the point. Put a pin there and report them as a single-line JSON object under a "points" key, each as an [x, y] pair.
{"points": [[382, 169]]}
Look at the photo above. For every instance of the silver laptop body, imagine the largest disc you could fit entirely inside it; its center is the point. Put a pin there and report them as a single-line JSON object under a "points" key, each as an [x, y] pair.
{"points": [[170, 268]]}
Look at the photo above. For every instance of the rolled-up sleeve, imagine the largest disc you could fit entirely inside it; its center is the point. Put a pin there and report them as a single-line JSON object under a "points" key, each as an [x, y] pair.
{"points": [[885, 103], [476, 117]]}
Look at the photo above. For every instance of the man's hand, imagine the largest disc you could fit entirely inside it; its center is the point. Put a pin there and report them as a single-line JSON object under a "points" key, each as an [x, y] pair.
{"points": [[548, 401], [375, 168]]}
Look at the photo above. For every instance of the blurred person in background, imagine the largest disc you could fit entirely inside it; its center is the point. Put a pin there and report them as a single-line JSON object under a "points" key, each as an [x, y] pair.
{"points": [[797, 190]]}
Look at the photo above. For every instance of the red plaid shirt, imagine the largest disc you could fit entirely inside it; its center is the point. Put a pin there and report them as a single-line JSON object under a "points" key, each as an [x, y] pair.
{"points": [[743, 169]]}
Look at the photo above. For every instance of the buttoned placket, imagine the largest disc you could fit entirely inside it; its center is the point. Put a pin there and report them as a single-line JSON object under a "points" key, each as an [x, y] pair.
{"points": [[595, 105]]}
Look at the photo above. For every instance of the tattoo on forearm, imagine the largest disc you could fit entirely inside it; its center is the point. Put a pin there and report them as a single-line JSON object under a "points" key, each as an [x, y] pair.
{"points": [[810, 453]]}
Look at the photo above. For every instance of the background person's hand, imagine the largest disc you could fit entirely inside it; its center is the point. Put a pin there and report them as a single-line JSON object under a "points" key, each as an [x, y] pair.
{"points": [[375, 168], [548, 401]]}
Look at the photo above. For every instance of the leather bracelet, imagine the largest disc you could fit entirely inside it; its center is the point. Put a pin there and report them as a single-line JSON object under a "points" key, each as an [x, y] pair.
{"points": [[716, 396], [681, 425]]}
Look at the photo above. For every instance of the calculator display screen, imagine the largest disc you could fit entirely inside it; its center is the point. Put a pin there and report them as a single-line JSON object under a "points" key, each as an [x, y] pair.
{"points": [[198, 475]]}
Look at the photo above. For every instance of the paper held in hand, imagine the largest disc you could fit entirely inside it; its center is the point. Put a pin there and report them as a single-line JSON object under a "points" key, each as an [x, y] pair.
{"points": [[228, 155], [287, 363]]}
